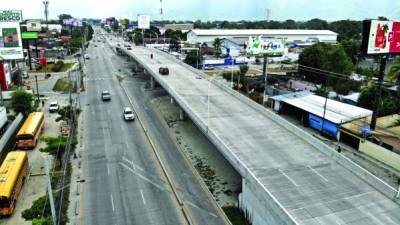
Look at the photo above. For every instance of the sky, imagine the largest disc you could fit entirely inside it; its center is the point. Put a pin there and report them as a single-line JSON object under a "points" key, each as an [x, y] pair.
{"points": [[209, 10]]}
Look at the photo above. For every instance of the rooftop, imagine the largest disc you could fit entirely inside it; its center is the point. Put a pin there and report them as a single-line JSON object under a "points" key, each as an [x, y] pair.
{"points": [[336, 112], [256, 32]]}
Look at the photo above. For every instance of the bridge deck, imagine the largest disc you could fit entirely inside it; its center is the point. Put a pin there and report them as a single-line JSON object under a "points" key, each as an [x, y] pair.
{"points": [[311, 186]]}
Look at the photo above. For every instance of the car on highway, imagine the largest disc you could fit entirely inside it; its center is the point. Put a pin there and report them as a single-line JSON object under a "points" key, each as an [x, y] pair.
{"points": [[128, 114], [163, 70], [53, 107], [105, 96], [87, 56]]}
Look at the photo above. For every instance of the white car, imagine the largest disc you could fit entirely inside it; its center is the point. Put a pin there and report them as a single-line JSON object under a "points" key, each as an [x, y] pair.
{"points": [[128, 114], [87, 56], [53, 107]]}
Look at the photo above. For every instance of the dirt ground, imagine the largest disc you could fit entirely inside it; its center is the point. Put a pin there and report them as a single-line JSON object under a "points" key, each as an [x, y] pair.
{"points": [[221, 178], [36, 184]]}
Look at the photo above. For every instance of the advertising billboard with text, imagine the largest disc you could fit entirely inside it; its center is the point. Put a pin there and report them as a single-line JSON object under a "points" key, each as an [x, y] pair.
{"points": [[144, 22], [33, 25], [269, 47], [381, 37], [10, 41]]}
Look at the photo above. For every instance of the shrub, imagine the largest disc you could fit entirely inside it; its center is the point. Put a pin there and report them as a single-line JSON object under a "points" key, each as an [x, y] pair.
{"points": [[58, 66]]}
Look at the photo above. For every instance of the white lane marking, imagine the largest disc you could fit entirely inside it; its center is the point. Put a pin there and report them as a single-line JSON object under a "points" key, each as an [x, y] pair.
{"points": [[290, 179], [112, 202], [316, 172], [108, 170], [141, 193], [143, 177], [132, 164], [195, 206]]}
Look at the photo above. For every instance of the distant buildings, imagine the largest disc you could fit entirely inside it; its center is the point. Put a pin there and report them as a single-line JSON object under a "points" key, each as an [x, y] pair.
{"points": [[300, 37]]}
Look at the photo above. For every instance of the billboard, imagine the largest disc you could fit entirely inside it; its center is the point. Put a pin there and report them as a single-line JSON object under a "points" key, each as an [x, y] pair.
{"points": [[10, 16], [143, 22], [270, 47], [29, 35], [73, 23], [10, 41], [33, 25], [381, 37]]}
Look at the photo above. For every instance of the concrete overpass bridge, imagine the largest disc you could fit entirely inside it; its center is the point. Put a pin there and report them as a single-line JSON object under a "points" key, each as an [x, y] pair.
{"points": [[289, 176]]}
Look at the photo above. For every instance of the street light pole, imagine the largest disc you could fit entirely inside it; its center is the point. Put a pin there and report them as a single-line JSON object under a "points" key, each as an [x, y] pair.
{"points": [[46, 12], [232, 74]]}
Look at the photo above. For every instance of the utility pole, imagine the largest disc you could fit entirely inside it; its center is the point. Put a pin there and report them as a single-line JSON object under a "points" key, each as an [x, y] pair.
{"points": [[46, 12], [379, 91], [37, 88], [265, 65], [50, 191]]}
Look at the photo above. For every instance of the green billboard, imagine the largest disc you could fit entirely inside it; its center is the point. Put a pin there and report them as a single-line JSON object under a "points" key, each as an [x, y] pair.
{"points": [[30, 35]]}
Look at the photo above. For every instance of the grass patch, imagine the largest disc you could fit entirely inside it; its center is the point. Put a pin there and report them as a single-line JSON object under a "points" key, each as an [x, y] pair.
{"points": [[49, 68], [64, 85], [236, 215]]}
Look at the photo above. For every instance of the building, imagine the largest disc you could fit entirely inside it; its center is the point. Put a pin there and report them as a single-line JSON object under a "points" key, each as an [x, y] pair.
{"points": [[322, 114], [231, 48], [300, 37], [184, 27]]}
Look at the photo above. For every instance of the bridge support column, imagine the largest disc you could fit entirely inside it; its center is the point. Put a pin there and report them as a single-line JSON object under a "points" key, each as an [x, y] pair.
{"points": [[152, 82], [182, 114]]}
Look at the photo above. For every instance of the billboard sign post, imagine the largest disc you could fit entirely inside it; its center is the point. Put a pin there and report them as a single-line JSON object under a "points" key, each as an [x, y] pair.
{"points": [[380, 38]]}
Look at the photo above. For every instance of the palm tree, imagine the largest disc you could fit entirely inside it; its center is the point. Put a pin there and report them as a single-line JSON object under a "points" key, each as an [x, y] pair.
{"points": [[394, 72], [217, 47]]}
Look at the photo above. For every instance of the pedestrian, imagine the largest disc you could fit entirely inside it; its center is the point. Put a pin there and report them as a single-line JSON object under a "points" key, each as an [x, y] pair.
{"points": [[42, 103]]}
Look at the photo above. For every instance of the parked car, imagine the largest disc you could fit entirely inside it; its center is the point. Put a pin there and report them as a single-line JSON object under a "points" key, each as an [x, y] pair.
{"points": [[163, 70], [53, 107], [105, 96], [128, 114], [87, 56]]}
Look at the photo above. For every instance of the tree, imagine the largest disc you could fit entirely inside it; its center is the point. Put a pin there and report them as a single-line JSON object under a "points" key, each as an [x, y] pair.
{"points": [[115, 26], [243, 69], [217, 47], [347, 29], [352, 49], [21, 101], [63, 17], [394, 71], [316, 24], [388, 104], [324, 57], [193, 57], [174, 45]]}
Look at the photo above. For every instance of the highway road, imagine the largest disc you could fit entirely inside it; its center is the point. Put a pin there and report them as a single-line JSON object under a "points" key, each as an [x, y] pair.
{"points": [[124, 183]]}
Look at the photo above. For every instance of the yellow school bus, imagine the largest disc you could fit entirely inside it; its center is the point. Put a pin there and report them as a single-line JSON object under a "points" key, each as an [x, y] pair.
{"points": [[13, 172], [28, 135]]}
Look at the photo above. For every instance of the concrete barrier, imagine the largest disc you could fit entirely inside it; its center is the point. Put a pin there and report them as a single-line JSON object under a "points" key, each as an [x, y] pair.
{"points": [[380, 153]]}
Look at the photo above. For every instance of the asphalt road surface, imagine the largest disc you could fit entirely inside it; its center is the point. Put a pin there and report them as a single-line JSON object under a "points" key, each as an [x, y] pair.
{"points": [[124, 183]]}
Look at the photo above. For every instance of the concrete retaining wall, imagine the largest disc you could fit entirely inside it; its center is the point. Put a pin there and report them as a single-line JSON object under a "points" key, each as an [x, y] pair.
{"points": [[380, 153]]}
